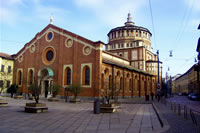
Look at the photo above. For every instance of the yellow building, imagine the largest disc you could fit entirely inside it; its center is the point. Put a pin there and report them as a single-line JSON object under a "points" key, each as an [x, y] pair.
{"points": [[189, 81], [6, 71]]}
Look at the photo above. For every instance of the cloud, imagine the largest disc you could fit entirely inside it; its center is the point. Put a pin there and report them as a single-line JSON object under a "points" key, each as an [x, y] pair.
{"points": [[9, 13], [15, 11], [8, 16], [112, 12], [44, 13], [194, 4]]}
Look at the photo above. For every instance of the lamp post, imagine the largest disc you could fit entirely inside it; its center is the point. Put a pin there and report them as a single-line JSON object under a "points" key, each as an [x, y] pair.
{"points": [[158, 85], [158, 66]]}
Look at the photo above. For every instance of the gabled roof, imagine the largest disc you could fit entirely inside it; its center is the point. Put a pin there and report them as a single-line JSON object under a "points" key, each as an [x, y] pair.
{"points": [[6, 56], [60, 30]]}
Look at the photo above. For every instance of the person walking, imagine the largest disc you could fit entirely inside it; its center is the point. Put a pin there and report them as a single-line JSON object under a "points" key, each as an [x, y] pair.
{"points": [[152, 95]]}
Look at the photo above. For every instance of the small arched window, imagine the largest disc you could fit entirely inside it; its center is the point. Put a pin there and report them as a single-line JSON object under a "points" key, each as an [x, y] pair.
{"points": [[130, 84], [121, 84], [110, 82], [87, 75], [67, 76], [30, 77], [19, 78]]}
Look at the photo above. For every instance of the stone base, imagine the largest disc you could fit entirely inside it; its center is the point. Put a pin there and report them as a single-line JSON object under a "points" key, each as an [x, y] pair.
{"points": [[3, 103], [74, 100], [107, 108], [35, 108], [18, 97], [30, 98], [51, 99]]}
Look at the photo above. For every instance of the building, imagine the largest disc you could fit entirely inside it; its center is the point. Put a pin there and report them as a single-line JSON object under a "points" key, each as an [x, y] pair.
{"points": [[57, 55], [188, 82], [6, 72], [174, 89]]}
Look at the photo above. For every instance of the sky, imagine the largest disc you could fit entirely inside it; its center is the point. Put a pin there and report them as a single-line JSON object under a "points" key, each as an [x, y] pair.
{"points": [[174, 25]]}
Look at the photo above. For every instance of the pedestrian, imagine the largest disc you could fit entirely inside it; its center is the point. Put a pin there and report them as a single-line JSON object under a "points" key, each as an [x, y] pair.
{"points": [[152, 95]]}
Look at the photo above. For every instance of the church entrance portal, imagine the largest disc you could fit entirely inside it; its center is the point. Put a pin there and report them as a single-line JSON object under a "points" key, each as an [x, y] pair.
{"points": [[45, 77]]}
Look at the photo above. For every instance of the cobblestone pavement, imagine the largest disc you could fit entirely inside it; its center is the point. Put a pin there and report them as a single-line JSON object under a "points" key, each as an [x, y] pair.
{"points": [[78, 118]]}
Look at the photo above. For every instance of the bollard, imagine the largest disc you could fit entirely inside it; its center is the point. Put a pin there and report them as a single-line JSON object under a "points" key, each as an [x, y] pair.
{"points": [[185, 112], [97, 106], [179, 109], [172, 106], [175, 107]]}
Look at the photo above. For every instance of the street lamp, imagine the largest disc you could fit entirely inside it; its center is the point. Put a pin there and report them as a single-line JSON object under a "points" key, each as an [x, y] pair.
{"points": [[158, 85], [158, 66]]}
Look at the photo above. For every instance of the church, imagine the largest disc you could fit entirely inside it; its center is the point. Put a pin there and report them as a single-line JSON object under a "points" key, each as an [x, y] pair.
{"points": [[126, 66]]}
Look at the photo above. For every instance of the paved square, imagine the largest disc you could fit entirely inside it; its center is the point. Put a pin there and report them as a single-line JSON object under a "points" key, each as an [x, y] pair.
{"points": [[65, 117]]}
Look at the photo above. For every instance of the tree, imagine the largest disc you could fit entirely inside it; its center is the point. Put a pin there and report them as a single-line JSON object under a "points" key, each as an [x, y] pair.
{"points": [[109, 93], [35, 90], [12, 89], [75, 89], [55, 88]]}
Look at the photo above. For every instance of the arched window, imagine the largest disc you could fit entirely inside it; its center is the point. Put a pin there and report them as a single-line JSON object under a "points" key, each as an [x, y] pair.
{"points": [[110, 82], [87, 75], [68, 76], [130, 84], [67, 80], [30, 77], [121, 83], [19, 77], [102, 81]]}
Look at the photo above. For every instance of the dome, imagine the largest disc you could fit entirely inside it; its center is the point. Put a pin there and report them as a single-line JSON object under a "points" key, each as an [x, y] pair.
{"points": [[129, 25]]}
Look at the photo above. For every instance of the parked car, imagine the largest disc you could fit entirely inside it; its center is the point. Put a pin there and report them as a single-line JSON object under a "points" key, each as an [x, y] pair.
{"points": [[182, 94], [194, 96], [190, 95]]}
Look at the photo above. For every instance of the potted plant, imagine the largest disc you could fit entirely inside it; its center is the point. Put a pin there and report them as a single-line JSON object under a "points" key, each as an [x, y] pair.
{"points": [[55, 89], [75, 89], [108, 106], [18, 94], [12, 90], [36, 107]]}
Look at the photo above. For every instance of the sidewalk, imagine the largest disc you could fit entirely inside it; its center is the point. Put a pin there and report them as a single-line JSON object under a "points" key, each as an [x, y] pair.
{"points": [[177, 123]]}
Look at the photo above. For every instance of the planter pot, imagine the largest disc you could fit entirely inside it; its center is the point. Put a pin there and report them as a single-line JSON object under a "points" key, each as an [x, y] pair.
{"points": [[18, 97], [74, 100], [107, 108], [51, 99], [35, 107], [3, 103], [30, 98]]}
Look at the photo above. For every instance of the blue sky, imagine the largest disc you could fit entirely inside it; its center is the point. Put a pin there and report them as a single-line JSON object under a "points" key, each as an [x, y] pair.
{"points": [[175, 24]]}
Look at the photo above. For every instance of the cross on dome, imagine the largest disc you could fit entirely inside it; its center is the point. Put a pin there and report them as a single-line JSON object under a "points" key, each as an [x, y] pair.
{"points": [[129, 20]]}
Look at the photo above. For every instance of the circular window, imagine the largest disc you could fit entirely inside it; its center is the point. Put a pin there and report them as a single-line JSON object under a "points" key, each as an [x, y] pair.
{"points": [[68, 43], [86, 50], [20, 59], [48, 55], [32, 48], [49, 36]]}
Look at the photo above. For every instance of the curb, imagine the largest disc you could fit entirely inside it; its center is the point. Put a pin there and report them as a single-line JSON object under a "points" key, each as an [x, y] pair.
{"points": [[164, 124]]}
